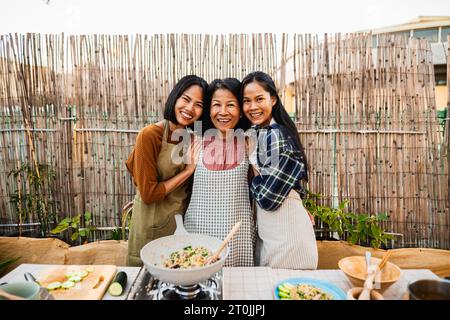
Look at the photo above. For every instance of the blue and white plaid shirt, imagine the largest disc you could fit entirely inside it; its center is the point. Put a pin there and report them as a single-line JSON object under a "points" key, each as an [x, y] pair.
{"points": [[281, 167]]}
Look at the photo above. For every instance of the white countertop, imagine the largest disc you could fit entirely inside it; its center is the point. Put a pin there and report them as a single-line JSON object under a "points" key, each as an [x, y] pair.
{"points": [[258, 283], [252, 283]]}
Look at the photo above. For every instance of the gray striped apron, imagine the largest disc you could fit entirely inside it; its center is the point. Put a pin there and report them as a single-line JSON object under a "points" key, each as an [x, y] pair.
{"points": [[219, 200]]}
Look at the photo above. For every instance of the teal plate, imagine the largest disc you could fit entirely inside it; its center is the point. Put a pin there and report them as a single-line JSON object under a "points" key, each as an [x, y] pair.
{"points": [[325, 286]]}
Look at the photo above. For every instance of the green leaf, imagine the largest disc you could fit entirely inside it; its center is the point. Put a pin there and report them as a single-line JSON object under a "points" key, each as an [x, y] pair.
{"points": [[83, 232], [116, 234], [74, 236], [375, 230], [87, 216], [66, 220], [354, 238], [60, 228], [76, 219], [388, 236], [351, 215], [375, 244], [343, 204], [75, 222], [363, 217]]}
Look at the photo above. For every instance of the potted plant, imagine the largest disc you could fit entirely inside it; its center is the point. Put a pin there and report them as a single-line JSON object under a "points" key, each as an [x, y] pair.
{"points": [[72, 225], [362, 229]]}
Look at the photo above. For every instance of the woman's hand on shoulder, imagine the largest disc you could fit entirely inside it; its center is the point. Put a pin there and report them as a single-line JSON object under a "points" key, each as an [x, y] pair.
{"points": [[250, 144], [160, 124], [192, 155], [254, 170]]}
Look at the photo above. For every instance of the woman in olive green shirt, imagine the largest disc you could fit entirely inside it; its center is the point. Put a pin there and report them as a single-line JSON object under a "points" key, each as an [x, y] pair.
{"points": [[162, 188]]}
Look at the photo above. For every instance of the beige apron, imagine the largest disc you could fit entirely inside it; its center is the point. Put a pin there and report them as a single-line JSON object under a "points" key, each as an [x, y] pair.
{"points": [[286, 238], [156, 220]]}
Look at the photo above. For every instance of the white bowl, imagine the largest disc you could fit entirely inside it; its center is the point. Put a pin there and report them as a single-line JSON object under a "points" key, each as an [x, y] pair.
{"points": [[155, 252]]}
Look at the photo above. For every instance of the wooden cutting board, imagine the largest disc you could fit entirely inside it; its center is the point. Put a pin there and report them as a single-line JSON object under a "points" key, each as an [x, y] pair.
{"points": [[92, 287]]}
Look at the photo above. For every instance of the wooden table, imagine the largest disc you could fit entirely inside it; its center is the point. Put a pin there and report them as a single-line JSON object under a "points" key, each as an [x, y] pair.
{"points": [[17, 275], [258, 283]]}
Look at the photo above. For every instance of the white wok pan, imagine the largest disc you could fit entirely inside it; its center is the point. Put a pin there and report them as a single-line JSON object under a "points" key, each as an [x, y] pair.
{"points": [[155, 252]]}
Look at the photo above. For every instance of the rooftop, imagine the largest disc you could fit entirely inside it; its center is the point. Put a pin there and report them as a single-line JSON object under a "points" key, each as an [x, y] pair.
{"points": [[420, 22]]}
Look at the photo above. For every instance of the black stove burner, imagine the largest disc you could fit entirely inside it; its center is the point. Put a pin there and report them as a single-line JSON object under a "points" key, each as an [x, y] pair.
{"points": [[148, 288], [183, 293], [202, 291]]}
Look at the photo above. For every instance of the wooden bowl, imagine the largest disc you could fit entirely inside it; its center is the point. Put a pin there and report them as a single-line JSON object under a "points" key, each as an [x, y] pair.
{"points": [[354, 268]]}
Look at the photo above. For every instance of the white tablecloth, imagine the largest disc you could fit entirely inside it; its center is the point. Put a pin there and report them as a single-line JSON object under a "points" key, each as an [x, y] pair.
{"points": [[258, 283]]}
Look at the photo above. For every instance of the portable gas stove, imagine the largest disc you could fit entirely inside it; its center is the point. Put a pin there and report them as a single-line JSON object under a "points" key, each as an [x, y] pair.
{"points": [[146, 287]]}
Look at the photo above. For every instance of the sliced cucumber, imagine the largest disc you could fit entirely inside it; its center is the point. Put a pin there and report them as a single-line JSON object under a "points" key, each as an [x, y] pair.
{"points": [[75, 278], [90, 269], [69, 274], [115, 289], [67, 284], [54, 285], [118, 284], [83, 273], [284, 290], [284, 295]]}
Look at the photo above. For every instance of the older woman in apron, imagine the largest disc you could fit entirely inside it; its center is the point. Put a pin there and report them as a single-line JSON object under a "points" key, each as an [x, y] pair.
{"points": [[162, 183], [220, 195]]}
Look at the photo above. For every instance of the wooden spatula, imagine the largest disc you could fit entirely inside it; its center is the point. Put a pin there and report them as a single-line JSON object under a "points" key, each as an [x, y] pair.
{"points": [[230, 235], [384, 260], [382, 264]]}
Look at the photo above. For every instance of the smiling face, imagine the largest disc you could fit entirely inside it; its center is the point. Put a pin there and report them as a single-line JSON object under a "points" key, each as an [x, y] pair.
{"points": [[225, 110], [189, 106], [258, 104]]}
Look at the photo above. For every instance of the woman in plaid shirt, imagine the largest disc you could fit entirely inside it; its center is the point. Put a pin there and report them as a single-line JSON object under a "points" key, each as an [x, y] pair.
{"points": [[285, 232]]}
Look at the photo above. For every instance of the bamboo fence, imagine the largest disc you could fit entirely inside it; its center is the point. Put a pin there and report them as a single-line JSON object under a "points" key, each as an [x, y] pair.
{"points": [[78, 102], [367, 118]]}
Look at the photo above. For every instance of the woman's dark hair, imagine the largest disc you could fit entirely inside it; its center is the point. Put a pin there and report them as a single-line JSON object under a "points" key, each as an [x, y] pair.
{"points": [[181, 86], [279, 113], [234, 86]]}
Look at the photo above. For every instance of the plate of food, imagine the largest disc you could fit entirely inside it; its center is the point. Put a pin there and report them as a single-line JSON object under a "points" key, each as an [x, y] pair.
{"points": [[307, 289]]}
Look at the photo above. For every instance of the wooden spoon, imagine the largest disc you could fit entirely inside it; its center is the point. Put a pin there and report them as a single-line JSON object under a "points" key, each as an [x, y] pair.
{"points": [[384, 260], [215, 256], [382, 265], [10, 296]]}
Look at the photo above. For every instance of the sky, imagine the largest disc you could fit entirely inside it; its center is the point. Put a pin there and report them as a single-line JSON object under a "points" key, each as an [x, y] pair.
{"points": [[210, 16]]}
